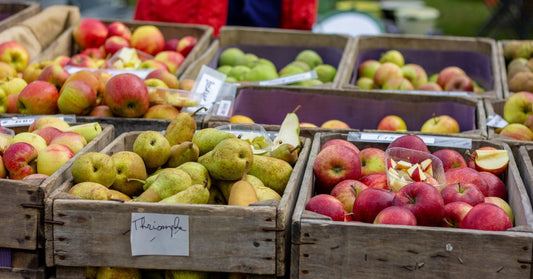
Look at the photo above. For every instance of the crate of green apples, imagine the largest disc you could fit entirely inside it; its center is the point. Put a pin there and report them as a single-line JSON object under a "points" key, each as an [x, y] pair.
{"points": [[440, 64], [250, 54], [202, 179], [363, 209]]}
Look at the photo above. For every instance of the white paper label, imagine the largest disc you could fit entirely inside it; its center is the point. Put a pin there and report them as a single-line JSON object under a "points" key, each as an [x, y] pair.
{"points": [[290, 79], [429, 140], [141, 73], [23, 121], [496, 121], [159, 234], [223, 108]]}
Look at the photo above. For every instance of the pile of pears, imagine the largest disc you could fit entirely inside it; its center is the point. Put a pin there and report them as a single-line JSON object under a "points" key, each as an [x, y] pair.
{"points": [[239, 66], [518, 55], [186, 165]]}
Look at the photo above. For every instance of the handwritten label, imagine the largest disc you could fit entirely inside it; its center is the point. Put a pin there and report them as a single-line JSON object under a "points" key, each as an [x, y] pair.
{"points": [[290, 79], [496, 121], [429, 140], [208, 85], [159, 234], [141, 73], [27, 120]]}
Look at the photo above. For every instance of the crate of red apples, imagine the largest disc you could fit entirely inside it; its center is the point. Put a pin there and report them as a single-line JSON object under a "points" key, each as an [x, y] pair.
{"points": [[411, 206]]}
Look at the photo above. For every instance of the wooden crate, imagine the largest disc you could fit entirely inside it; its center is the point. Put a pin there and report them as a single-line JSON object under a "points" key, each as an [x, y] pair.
{"points": [[361, 110], [277, 45], [22, 201], [23, 264], [523, 156], [476, 56], [252, 240], [13, 12], [326, 249]]}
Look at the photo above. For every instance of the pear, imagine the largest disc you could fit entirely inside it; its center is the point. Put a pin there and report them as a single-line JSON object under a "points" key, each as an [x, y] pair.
{"points": [[180, 153], [206, 139], [153, 147], [229, 56], [265, 193], [186, 274], [119, 196], [88, 130], [216, 196], [150, 179], [242, 192], [90, 191], [181, 128], [195, 194], [228, 160], [261, 72], [130, 168], [198, 173], [309, 57], [225, 186], [286, 152], [166, 184], [274, 173], [105, 272], [289, 130]]}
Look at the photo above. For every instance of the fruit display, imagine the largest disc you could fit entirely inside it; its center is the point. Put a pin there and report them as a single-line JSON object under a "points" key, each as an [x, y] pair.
{"points": [[516, 74], [511, 121], [340, 207], [213, 176]]}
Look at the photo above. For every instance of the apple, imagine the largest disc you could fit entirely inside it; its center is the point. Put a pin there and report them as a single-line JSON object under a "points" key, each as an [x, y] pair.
{"points": [[397, 83], [466, 175], [372, 160], [161, 111], [450, 158], [308, 125], [410, 141], [495, 186], [39, 97], [153, 147], [61, 60], [118, 28], [94, 167], [494, 161], [114, 44], [95, 53], [375, 180], [326, 205], [13, 85], [447, 74], [82, 61], [187, 84], [3, 101], [130, 169], [517, 131], [424, 200], [396, 215], [76, 97], [14, 53], [36, 176], [365, 83], [35, 140], [12, 103], [53, 157], [89, 32], [334, 164], [153, 64], [369, 203], [392, 56], [415, 74], [467, 192], [32, 72], [74, 141], [172, 59], [87, 76], [148, 38], [7, 71], [346, 191], [429, 86], [454, 213], [502, 204], [47, 121], [387, 71], [19, 160], [488, 217], [48, 133], [171, 44], [392, 123], [3, 170], [335, 124], [169, 79], [55, 75], [368, 68], [440, 124], [459, 83], [186, 44], [101, 111], [518, 107], [341, 142], [127, 95]]}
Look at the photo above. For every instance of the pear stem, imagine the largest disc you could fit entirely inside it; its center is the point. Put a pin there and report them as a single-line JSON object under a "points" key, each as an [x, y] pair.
{"points": [[295, 148], [198, 110], [296, 109], [138, 180], [245, 170]]}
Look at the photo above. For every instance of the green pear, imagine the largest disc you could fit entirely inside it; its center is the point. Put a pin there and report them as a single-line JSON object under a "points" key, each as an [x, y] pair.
{"points": [[325, 72], [225, 69], [181, 128], [308, 82], [249, 60], [266, 193], [150, 179], [231, 80], [206, 139], [89, 131], [194, 194], [216, 197], [166, 184], [186, 274], [105, 272], [238, 72], [309, 57], [286, 152], [153, 147], [274, 173], [130, 168], [290, 70], [229, 56], [261, 72], [225, 185], [264, 61], [95, 167], [183, 152], [90, 191], [198, 173], [228, 160], [300, 64]]}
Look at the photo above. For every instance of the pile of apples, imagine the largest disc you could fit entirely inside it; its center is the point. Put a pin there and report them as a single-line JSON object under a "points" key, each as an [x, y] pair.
{"points": [[45, 147], [517, 55], [518, 112], [436, 124], [392, 73], [353, 185]]}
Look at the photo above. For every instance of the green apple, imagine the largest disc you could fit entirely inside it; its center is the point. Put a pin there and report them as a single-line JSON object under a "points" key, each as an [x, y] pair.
{"points": [[325, 72], [229, 56], [518, 107], [130, 169], [34, 139], [94, 167], [393, 56], [13, 85], [309, 57], [153, 147]]}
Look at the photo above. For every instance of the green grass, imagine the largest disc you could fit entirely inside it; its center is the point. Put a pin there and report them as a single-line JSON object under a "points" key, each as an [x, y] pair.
{"points": [[460, 17]]}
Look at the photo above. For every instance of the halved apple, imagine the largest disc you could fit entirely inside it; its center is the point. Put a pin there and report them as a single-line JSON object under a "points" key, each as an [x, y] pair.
{"points": [[416, 173], [491, 160]]}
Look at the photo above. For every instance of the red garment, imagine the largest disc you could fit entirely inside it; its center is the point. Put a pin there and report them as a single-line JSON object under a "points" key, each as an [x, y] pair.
{"points": [[299, 14]]}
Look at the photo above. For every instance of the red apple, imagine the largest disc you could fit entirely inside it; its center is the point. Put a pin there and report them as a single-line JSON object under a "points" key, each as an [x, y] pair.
{"points": [[342, 142], [335, 124], [101, 111], [440, 124], [454, 213], [517, 131], [62, 60], [467, 192], [48, 133], [76, 142], [55, 75], [415, 74], [38, 97], [429, 86], [392, 123], [494, 161], [153, 64], [372, 160], [15, 54], [147, 38], [52, 158], [424, 200], [368, 68], [447, 74], [495, 186], [89, 32], [127, 95], [172, 59], [346, 191], [114, 44], [488, 217], [410, 141], [459, 83], [171, 44], [169, 79], [19, 160], [82, 61], [94, 52], [36, 176], [12, 103], [502, 204], [326, 205], [118, 28], [32, 72], [466, 175], [387, 71], [369, 203], [86, 76], [397, 83], [161, 111], [76, 97], [450, 158], [396, 215], [375, 180], [334, 164], [186, 44]]}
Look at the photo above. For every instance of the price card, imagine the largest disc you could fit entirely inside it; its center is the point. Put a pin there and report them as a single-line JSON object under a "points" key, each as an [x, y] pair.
{"points": [[290, 79], [21, 121], [159, 234], [496, 121], [429, 140], [208, 85]]}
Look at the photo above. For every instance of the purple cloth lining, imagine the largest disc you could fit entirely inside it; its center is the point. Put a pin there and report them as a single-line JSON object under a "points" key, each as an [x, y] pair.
{"points": [[4, 16], [5, 257], [476, 65], [269, 106]]}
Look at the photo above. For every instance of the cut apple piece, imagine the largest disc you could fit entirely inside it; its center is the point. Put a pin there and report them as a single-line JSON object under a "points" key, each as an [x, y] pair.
{"points": [[431, 180], [426, 164], [494, 161], [403, 164], [392, 163], [416, 173]]}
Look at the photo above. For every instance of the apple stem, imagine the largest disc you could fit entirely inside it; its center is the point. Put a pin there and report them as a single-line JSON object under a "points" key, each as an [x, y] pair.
{"points": [[411, 199], [296, 109], [196, 111], [435, 118]]}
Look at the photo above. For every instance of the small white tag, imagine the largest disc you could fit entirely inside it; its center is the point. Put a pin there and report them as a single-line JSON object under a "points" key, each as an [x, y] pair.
{"points": [[142, 73], [496, 121], [159, 234], [429, 140], [208, 85], [23, 121], [223, 108], [379, 137], [290, 79]]}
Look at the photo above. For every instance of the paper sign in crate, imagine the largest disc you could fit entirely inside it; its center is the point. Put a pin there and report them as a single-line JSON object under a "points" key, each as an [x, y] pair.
{"points": [[323, 248], [22, 201], [361, 110], [476, 56], [280, 46], [221, 238], [14, 12]]}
